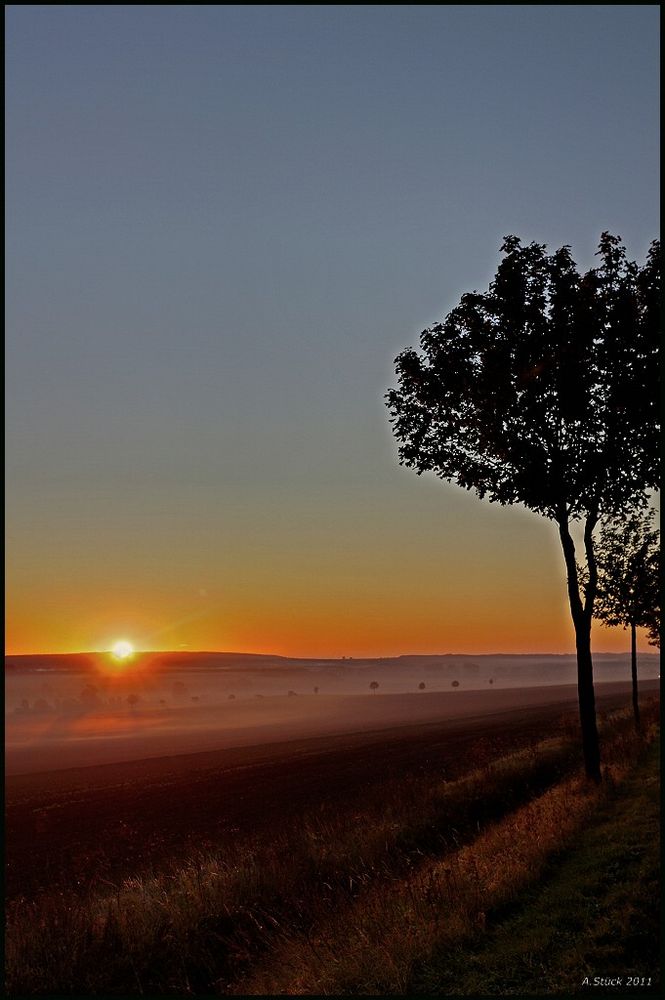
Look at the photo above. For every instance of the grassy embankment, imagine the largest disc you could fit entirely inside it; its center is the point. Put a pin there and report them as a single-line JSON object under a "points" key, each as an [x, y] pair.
{"points": [[595, 914], [367, 902]]}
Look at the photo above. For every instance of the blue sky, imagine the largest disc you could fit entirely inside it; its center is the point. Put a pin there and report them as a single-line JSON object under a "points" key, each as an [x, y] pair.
{"points": [[223, 223]]}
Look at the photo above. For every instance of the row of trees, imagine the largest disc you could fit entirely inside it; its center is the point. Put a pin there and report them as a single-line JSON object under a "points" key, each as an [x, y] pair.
{"points": [[544, 391], [374, 685]]}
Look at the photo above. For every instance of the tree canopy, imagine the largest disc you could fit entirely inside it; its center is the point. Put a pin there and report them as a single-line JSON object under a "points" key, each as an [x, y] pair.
{"points": [[544, 389], [628, 559], [628, 556]]}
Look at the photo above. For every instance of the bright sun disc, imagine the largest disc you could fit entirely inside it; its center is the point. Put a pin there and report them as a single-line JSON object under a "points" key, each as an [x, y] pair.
{"points": [[122, 650]]}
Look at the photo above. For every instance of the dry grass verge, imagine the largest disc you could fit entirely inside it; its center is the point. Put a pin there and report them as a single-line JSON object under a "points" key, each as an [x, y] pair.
{"points": [[377, 945]]}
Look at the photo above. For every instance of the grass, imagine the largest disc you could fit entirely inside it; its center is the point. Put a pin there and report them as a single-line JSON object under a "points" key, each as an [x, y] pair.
{"points": [[328, 903], [594, 915], [379, 944]]}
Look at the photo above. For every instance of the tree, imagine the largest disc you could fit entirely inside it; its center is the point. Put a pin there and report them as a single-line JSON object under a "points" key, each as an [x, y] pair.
{"points": [[374, 685], [544, 391], [653, 628], [421, 686], [455, 684], [628, 557]]}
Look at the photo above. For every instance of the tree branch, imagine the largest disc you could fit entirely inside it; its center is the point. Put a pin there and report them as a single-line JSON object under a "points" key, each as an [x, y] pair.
{"points": [[568, 546], [592, 583]]}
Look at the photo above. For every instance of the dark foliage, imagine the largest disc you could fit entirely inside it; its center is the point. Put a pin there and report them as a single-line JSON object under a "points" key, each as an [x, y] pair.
{"points": [[628, 555], [543, 390]]}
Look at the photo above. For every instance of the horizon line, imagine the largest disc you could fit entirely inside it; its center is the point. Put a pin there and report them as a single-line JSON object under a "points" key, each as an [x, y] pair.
{"points": [[283, 656]]}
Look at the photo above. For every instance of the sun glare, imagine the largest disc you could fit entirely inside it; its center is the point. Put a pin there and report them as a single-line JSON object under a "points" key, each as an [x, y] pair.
{"points": [[122, 650]]}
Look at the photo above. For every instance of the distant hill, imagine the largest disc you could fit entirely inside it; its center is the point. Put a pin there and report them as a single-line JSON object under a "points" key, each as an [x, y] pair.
{"points": [[250, 662]]}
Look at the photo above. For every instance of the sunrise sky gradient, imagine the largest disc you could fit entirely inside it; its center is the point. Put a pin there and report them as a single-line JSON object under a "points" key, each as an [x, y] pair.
{"points": [[223, 223]]}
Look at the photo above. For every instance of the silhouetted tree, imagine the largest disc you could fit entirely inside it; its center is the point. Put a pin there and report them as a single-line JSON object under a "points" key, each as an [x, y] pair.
{"points": [[421, 686], [374, 686], [628, 557], [653, 629], [232, 697], [491, 680], [455, 684], [544, 391], [132, 700], [316, 690]]}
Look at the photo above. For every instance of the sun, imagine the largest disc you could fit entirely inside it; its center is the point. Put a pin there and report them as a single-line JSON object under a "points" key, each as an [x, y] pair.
{"points": [[122, 650]]}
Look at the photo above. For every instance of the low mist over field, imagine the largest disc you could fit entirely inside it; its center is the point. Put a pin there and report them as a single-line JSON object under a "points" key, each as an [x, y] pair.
{"points": [[64, 711], [176, 679]]}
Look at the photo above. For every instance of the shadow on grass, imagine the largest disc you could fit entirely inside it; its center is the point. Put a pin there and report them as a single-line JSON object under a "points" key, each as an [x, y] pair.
{"points": [[594, 917]]}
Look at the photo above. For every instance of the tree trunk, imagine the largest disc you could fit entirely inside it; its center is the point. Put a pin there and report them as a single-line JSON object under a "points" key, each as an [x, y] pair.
{"points": [[581, 615], [633, 672], [587, 700]]}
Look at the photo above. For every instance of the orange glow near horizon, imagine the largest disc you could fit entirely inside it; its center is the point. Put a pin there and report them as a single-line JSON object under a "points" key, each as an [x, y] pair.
{"points": [[333, 634], [462, 577]]}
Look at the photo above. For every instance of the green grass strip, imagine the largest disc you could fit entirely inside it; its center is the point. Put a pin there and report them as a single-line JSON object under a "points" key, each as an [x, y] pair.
{"points": [[590, 926]]}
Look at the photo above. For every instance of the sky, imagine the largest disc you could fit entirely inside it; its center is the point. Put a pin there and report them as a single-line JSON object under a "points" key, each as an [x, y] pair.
{"points": [[223, 224]]}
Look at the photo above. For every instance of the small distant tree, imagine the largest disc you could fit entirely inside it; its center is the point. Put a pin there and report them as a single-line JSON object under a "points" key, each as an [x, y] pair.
{"points": [[628, 556], [491, 680], [544, 391], [374, 686], [232, 697], [455, 684], [316, 690], [291, 694], [133, 700], [421, 686]]}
